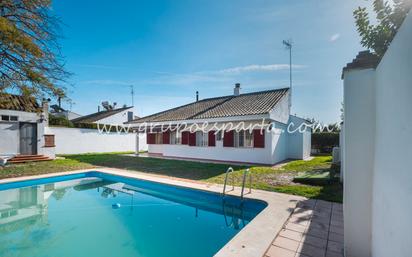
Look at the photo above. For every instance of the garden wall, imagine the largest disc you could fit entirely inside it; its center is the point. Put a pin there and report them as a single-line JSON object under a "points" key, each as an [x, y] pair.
{"points": [[77, 141], [377, 151]]}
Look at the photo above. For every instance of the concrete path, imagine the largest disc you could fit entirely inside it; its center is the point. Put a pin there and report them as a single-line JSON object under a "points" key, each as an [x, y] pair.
{"points": [[315, 229]]}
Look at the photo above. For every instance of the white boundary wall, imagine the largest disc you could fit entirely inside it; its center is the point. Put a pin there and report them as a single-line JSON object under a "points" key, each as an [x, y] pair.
{"points": [[392, 180], [377, 153], [76, 141]]}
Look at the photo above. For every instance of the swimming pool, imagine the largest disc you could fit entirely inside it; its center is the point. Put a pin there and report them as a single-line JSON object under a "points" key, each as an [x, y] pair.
{"points": [[101, 214]]}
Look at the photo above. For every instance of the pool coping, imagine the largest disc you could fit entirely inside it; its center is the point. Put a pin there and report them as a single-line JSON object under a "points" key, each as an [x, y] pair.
{"points": [[253, 240]]}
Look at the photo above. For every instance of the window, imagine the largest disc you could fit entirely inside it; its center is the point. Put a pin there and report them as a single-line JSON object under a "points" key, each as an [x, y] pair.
{"points": [[243, 138], [158, 138], [201, 139], [175, 138], [9, 118], [219, 136]]}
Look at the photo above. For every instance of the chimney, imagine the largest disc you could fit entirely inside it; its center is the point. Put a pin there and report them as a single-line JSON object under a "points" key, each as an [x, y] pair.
{"points": [[45, 110], [197, 96], [98, 108], [236, 90]]}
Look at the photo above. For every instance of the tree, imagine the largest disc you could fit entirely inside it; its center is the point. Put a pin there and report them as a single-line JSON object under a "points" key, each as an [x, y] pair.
{"points": [[30, 56], [389, 18]]}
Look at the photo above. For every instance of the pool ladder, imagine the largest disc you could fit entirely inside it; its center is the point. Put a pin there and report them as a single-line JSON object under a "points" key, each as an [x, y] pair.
{"points": [[245, 174]]}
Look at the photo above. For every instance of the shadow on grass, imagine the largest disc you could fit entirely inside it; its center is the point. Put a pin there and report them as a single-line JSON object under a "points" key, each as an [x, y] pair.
{"points": [[174, 168]]}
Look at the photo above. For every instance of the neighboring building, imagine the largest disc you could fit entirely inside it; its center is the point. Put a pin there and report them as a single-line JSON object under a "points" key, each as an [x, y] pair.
{"points": [[109, 117], [377, 140], [22, 126], [58, 111], [272, 146]]}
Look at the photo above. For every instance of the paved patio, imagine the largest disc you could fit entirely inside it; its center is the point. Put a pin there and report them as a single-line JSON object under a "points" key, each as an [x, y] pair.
{"points": [[315, 229]]}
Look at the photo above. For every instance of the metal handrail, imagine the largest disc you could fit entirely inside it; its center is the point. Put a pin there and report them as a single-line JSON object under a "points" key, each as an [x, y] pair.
{"points": [[229, 171], [245, 173]]}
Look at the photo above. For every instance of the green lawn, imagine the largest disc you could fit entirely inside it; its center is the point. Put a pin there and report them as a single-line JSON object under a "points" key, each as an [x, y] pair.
{"points": [[266, 178]]}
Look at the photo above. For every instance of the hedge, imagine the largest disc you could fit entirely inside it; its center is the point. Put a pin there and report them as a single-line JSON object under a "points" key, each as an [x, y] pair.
{"points": [[325, 141]]}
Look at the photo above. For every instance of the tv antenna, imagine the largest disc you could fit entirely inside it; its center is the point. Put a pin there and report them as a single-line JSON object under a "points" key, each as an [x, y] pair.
{"points": [[288, 44], [132, 93]]}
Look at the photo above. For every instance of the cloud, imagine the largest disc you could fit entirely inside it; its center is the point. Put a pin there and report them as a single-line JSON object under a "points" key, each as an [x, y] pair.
{"points": [[107, 82], [258, 67], [334, 37]]}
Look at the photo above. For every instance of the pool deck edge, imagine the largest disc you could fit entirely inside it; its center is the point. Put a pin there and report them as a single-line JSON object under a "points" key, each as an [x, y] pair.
{"points": [[252, 240]]}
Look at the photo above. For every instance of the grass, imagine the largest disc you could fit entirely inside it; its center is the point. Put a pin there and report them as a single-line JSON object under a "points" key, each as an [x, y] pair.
{"points": [[266, 178]]}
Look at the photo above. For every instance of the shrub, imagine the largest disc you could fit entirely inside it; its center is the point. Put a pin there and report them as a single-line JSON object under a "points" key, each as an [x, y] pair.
{"points": [[325, 141], [60, 121]]}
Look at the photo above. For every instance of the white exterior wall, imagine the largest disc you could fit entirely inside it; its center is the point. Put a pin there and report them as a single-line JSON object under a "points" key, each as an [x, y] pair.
{"points": [[76, 141], [281, 112], [116, 119], [392, 178], [277, 145], [359, 127], [218, 152], [376, 153], [299, 140], [10, 132]]}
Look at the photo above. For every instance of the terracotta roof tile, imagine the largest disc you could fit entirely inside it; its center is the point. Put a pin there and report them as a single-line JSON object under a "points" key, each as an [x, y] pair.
{"points": [[225, 106], [18, 103]]}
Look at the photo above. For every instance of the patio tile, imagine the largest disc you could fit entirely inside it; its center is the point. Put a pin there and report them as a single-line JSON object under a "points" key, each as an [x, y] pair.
{"points": [[335, 237], [301, 255], [337, 216], [333, 254], [323, 204], [297, 236], [310, 250], [295, 227], [320, 226], [315, 241], [337, 230], [310, 203], [335, 247], [336, 223], [321, 210], [275, 251], [302, 210], [317, 233], [300, 221], [286, 243], [337, 207], [320, 219]]}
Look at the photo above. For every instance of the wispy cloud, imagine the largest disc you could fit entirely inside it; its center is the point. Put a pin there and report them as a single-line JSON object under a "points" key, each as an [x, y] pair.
{"points": [[334, 37], [212, 77], [258, 67], [106, 82]]}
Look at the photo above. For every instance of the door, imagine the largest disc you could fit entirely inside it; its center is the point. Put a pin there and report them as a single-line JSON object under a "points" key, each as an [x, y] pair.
{"points": [[28, 138]]}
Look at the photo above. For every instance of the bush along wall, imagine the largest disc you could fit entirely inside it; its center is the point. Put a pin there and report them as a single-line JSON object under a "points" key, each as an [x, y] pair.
{"points": [[325, 141]]}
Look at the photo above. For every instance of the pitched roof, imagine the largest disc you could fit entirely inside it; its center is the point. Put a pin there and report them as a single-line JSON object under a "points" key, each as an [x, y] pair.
{"points": [[98, 115], [226, 106], [18, 103]]}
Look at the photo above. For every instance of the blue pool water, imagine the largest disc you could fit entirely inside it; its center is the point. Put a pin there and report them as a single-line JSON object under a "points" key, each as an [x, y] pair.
{"points": [[97, 214]]}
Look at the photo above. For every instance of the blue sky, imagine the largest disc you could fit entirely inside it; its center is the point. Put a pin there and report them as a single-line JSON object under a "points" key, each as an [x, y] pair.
{"points": [[170, 49]]}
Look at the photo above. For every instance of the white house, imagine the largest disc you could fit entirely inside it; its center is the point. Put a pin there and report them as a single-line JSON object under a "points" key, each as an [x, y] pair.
{"points": [[377, 150], [22, 127], [110, 117], [58, 111], [206, 139]]}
